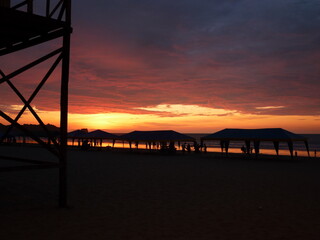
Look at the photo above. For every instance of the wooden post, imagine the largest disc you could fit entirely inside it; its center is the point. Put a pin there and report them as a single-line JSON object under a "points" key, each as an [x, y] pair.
{"points": [[256, 144], [30, 6], [290, 145], [64, 109], [276, 147], [48, 8]]}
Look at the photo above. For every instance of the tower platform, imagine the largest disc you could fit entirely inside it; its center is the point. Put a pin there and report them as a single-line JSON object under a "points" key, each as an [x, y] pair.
{"points": [[25, 29], [21, 30]]}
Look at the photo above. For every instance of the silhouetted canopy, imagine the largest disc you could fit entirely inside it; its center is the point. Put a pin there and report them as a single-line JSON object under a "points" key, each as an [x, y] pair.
{"points": [[275, 135], [156, 136], [265, 134], [36, 130], [101, 135], [78, 133]]}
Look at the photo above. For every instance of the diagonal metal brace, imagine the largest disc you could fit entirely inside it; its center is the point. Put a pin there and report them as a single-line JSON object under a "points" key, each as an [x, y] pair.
{"points": [[30, 65], [27, 103], [30, 134]]}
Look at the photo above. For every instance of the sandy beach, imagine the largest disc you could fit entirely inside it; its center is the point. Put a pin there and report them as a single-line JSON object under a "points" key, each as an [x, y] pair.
{"points": [[123, 195]]}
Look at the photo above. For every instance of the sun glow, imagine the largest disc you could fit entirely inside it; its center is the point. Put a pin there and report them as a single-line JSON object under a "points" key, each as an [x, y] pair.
{"points": [[126, 122], [183, 118]]}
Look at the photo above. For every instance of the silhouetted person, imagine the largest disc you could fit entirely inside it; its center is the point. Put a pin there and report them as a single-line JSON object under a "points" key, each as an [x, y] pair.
{"points": [[85, 145], [183, 148], [196, 148], [189, 148], [204, 148], [243, 149], [172, 148]]}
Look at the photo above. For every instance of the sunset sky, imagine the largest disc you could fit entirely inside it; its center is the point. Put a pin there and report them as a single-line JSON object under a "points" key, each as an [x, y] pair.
{"points": [[185, 65]]}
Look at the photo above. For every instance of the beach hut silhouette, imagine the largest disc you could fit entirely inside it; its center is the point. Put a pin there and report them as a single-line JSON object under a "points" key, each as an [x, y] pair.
{"points": [[162, 136], [275, 135]]}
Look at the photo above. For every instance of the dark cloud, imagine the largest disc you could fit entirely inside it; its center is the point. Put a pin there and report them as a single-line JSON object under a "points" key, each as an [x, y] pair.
{"points": [[236, 55]]}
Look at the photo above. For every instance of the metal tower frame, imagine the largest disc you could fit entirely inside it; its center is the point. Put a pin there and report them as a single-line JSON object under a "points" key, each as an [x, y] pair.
{"points": [[21, 28]]}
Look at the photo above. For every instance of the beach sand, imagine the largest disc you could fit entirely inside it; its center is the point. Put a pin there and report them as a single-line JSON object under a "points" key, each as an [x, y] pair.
{"points": [[123, 195]]}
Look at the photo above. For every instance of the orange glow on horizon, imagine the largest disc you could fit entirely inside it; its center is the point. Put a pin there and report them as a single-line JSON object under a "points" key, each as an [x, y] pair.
{"points": [[182, 118]]}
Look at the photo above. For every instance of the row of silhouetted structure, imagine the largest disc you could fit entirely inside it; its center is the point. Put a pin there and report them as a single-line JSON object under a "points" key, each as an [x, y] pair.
{"points": [[248, 136]]}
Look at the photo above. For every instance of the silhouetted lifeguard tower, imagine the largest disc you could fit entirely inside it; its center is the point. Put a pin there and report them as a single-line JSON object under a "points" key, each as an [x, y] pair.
{"points": [[21, 28]]}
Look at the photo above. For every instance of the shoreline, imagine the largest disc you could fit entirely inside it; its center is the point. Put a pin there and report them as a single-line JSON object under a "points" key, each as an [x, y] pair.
{"points": [[232, 151]]}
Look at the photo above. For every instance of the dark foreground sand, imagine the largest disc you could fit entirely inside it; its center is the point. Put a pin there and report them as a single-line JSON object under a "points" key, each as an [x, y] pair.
{"points": [[118, 195]]}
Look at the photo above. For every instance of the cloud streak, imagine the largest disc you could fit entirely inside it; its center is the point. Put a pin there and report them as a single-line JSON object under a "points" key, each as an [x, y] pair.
{"points": [[234, 56]]}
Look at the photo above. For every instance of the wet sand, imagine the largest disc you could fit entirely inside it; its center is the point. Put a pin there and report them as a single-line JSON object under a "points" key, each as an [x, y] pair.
{"points": [[122, 195]]}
